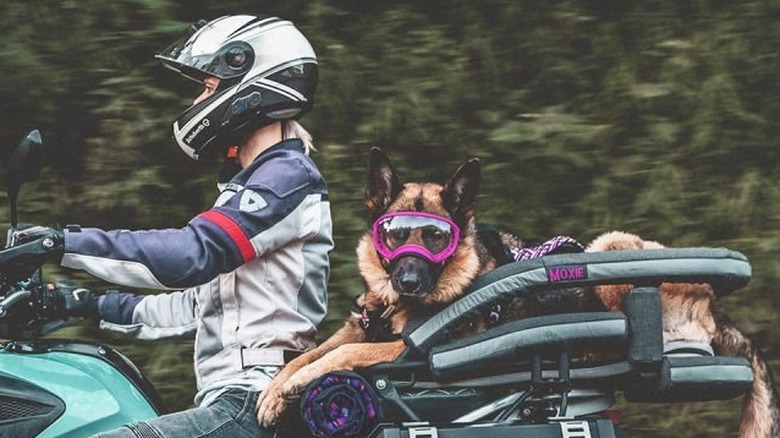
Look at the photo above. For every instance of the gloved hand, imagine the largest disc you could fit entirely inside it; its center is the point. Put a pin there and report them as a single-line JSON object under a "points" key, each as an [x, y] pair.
{"points": [[68, 299], [29, 248], [52, 242]]}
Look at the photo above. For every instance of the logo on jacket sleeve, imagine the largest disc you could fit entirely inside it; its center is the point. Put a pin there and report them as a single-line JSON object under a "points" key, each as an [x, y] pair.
{"points": [[251, 202]]}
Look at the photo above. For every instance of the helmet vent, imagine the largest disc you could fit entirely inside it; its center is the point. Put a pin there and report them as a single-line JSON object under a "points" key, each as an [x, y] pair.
{"points": [[200, 23], [238, 56]]}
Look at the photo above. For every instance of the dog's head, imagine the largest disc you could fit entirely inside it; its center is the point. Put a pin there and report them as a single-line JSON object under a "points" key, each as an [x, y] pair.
{"points": [[421, 246]]}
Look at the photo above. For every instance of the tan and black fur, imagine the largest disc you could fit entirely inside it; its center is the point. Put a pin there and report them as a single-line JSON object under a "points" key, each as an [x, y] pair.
{"points": [[691, 311], [400, 301]]}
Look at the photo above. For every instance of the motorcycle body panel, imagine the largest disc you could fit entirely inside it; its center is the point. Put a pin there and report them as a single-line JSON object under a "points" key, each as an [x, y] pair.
{"points": [[70, 389]]}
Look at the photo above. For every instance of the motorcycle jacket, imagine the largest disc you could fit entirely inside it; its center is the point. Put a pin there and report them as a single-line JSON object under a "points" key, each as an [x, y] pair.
{"points": [[253, 270]]}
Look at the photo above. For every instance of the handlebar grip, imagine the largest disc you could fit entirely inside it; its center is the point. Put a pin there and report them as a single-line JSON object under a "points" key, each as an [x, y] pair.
{"points": [[12, 299]]}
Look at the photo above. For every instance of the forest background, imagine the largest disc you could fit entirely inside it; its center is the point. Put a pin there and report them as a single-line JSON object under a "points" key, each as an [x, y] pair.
{"points": [[655, 117]]}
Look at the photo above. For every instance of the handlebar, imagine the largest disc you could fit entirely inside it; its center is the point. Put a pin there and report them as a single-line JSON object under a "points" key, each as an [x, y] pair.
{"points": [[17, 263], [12, 299], [24, 253]]}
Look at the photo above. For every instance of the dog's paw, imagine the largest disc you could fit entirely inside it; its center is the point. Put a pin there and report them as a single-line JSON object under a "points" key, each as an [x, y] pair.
{"points": [[296, 385], [270, 407]]}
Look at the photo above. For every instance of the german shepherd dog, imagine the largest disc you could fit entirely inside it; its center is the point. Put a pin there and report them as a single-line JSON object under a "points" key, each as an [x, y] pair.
{"points": [[424, 250]]}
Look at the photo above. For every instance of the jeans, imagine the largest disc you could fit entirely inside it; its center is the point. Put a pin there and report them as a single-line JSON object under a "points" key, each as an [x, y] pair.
{"points": [[231, 415]]}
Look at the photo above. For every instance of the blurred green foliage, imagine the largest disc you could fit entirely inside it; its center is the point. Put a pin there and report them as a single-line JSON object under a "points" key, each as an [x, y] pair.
{"points": [[655, 117]]}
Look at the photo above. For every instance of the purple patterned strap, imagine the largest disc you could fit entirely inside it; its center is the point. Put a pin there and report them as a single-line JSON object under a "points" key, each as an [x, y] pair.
{"points": [[545, 248]]}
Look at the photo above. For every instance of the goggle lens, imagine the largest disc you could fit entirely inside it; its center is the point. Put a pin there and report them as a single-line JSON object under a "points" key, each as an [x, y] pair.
{"points": [[431, 236]]}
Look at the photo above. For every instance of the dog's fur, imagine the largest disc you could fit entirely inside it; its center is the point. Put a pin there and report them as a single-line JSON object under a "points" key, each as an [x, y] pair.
{"points": [[690, 311], [347, 349]]}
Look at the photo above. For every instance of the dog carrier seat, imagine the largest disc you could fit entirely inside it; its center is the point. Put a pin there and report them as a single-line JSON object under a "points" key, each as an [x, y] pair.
{"points": [[553, 376]]}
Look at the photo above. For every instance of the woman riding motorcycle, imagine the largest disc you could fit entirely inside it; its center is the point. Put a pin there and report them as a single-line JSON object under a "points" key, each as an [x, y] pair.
{"points": [[250, 273]]}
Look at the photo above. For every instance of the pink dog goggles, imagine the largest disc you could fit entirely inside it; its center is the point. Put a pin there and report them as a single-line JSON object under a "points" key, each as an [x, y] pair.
{"points": [[432, 237]]}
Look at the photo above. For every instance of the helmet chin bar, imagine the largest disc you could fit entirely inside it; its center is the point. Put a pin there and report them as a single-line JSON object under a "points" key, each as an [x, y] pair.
{"points": [[229, 117]]}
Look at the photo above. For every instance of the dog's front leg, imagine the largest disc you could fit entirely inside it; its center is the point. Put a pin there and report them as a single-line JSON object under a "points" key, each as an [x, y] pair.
{"points": [[344, 358], [271, 402]]}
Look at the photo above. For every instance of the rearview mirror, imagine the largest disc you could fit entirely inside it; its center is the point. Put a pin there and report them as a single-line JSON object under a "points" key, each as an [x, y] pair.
{"points": [[23, 165]]}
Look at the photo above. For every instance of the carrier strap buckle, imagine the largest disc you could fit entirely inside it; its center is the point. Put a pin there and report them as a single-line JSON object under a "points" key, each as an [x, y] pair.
{"points": [[422, 430], [575, 429]]}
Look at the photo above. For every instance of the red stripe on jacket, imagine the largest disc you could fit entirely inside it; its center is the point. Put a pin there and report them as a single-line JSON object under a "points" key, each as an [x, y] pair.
{"points": [[233, 230]]}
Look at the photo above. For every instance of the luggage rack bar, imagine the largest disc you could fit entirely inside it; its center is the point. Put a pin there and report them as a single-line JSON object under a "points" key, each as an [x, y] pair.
{"points": [[724, 269]]}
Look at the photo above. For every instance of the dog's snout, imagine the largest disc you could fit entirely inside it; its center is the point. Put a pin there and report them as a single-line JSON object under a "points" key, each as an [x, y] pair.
{"points": [[412, 276]]}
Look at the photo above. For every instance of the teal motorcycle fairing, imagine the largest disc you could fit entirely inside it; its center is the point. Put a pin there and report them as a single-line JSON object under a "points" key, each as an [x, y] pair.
{"points": [[80, 389]]}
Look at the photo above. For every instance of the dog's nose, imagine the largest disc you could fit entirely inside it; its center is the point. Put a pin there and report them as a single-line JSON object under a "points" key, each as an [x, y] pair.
{"points": [[410, 283]]}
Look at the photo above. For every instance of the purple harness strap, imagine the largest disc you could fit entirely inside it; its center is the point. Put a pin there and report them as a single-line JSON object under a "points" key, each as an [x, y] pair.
{"points": [[376, 324], [549, 247], [545, 248]]}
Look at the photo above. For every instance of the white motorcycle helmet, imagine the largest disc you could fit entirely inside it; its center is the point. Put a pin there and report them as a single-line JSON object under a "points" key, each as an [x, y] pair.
{"points": [[267, 71]]}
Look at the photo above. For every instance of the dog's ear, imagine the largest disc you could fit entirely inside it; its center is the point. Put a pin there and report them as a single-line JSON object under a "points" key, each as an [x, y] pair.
{"points": [[460, 194], [383, 183]]}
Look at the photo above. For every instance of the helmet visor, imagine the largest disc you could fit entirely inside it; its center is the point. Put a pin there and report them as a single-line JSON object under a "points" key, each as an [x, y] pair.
{"points": [[202, 52], [430, 236]]}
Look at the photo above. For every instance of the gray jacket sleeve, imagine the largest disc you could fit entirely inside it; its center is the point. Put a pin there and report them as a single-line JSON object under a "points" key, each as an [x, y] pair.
{"points": [[170, 315]]}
